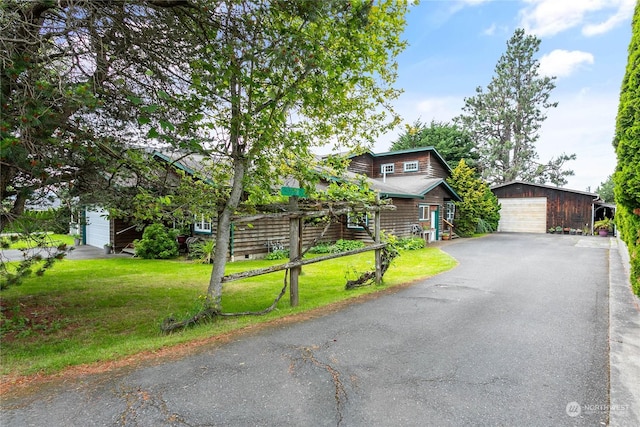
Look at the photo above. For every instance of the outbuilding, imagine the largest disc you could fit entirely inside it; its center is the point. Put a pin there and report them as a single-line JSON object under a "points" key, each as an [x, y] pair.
{"points": [[535, 208]]}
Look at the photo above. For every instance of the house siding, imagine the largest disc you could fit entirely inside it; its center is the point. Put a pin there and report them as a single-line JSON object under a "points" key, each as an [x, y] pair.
{"points": [[122, 234], [428, 165], [564, 208], [362, 164]]}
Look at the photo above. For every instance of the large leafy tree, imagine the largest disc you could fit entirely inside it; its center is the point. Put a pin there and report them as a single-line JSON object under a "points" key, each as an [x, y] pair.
{"points": [[479, 209], [448, 139], [627, 144], [74, 75], [505, 119], [251, 84], [270, 80]]}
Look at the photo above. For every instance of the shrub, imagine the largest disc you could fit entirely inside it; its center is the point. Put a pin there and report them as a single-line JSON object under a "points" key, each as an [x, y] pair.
{"points": [[410, 243], [346, 245], [158, 242], [277, 254], [322, 248], [202, 251]]}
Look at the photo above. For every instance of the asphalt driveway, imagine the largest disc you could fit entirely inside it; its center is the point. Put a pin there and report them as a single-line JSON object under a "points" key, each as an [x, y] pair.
{"points": [[517, 334]]}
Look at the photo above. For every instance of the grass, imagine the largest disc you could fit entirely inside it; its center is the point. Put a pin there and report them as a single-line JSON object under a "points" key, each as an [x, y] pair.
{"points": [[50, 240], [90, 311]]}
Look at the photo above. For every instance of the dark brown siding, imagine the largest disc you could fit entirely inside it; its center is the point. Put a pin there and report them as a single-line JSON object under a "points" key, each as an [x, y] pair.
{"points": [[251, 241], [361, 164], [399, 222], [120, 237], [428, 165], [564, 208]]}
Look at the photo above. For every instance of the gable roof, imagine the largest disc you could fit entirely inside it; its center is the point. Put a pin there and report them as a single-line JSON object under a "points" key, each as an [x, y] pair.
{"points": [[410, 187], [431, 149], [551, 187]]}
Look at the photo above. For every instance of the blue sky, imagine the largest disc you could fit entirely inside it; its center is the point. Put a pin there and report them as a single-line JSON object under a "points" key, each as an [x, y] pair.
{"points": [[455, 45]]}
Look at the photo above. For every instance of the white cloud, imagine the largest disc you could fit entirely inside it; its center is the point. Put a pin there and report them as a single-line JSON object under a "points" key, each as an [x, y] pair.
{"points": [[490, 31], [562, 63], [583, 123], [623, 13], [550, 17]]}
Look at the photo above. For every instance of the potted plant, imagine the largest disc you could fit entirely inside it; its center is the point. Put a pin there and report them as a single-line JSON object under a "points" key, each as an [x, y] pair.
{"points": [[604, 226], [77, 239], [107, 248]]}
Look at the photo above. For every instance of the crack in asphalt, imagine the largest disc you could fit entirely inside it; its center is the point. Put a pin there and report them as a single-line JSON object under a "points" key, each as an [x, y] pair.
{"points": [[139, 401], [307, 355]]}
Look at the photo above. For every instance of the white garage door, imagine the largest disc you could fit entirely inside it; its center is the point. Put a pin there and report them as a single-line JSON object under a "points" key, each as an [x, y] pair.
{"points": [[97, 228], [525, 215]]}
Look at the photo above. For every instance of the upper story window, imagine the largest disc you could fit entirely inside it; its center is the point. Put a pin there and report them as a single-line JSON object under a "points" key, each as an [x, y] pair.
{"points": [[387, 168], [411, 166]]}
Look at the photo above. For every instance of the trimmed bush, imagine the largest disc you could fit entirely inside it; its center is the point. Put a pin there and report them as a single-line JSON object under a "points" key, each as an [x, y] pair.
{"points": [[158, 242]]}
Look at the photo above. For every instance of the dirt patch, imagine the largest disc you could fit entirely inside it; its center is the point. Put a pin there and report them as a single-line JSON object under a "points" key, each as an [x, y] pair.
{"points": [[29, 318], [23, 385]]}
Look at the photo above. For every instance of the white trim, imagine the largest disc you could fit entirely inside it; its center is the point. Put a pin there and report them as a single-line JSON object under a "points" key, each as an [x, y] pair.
{"points": [[202, 226], [387, 168], [353, 226], [422, 208], [413, 166]]}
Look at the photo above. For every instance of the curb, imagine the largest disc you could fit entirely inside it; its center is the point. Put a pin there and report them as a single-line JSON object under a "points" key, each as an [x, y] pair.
{"points": [[624, 341]]}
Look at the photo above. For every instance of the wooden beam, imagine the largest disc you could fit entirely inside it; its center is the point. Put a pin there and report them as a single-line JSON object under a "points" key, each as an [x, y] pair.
{"points": [[311, 214], [299, 263]]}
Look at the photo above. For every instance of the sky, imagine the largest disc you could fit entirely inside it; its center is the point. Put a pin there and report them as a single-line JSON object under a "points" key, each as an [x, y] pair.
{"points": [[454, 46]]}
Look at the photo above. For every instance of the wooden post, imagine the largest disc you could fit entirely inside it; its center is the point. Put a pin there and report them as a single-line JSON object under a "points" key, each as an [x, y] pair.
{"points": [[295, 248], [376, 231]]}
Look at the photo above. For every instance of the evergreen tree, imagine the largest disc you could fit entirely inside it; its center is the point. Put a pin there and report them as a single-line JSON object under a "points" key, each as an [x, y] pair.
{"points": [[479, 210], [453, 143], [627, 144], [605, 189], [505, 119]]}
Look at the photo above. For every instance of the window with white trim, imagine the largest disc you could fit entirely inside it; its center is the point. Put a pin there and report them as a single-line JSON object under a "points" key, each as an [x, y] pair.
{"points": [[202, 226], [387, 168], [354, 220], [424, 213], [451, 211], [411, 166]]}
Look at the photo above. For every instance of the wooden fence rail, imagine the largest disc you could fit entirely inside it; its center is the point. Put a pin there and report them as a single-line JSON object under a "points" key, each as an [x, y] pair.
{"points": [[299, 263]]}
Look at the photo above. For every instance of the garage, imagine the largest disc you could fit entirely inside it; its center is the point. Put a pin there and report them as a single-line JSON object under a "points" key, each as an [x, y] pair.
{"points": [[97, 229], [535, 208], [523, 215]]}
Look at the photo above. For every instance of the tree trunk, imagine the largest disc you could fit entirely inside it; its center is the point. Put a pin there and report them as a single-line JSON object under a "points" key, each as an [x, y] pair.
{"points": [[223, 233]]}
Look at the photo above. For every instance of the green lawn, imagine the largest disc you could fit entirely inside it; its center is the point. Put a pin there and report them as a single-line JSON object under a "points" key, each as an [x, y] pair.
{"points": [[49, 240], [88, 311]]}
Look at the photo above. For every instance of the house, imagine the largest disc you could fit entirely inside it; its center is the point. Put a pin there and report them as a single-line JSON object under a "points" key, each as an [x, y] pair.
{"points": [[535, 208], [414, 181]]}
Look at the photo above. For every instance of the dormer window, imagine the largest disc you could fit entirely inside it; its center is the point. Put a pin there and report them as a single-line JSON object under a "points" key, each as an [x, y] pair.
{"points": [[387, 168], [411, 166]]}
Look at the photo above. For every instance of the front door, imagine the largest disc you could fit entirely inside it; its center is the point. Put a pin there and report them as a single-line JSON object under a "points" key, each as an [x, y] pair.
{"points": [[435, 222]]}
